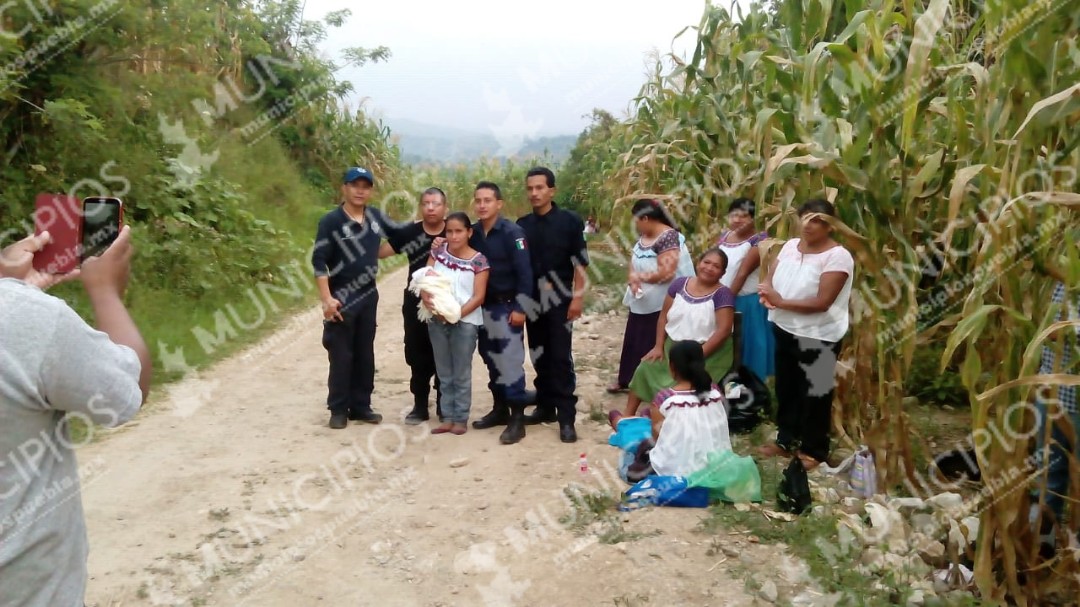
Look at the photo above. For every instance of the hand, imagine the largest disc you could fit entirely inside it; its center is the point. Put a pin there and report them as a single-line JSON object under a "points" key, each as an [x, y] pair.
{"points": [[108, 273], [634, 280], [764, 302], [577, 305], [517, 319], [428, 300], [17, 261], [331, 310], [437, 242], [769, 296], [654, 354]]}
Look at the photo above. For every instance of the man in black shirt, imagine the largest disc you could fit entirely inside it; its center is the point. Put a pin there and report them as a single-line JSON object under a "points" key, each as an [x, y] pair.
{"points": [[559, 257], [501, 342], [414, 240], [346, 259]]}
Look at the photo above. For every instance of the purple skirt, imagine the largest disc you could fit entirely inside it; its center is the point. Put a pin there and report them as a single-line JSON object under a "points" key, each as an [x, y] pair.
{"points": [[639, 338]]}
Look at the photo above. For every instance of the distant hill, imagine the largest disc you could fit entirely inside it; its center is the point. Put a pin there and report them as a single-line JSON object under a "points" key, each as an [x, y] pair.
{"points": [[424, 143]]}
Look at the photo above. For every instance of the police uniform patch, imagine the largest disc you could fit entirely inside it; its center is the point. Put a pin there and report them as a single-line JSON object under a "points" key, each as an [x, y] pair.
{"points": [[520, 244]]}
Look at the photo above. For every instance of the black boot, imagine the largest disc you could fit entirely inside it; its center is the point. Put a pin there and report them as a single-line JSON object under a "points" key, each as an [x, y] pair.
{"points": [[515, 428], [499, 416], [418, 415], [541, 415]]}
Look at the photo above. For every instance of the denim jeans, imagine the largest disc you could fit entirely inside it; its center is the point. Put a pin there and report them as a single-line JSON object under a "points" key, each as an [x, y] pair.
{"points": [[453, 346], [1055, 456]]}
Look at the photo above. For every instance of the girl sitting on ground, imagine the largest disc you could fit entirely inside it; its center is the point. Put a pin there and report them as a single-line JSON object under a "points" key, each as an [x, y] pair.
{"points": [[688, 419], [454, 343]]}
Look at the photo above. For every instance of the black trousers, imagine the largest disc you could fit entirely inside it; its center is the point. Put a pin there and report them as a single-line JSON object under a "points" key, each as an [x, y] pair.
{"points": [[805, 384], [418, 354], [550, 348], [350, 345]]}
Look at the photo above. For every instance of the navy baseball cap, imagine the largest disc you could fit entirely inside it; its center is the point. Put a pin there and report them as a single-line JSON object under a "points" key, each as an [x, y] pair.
{"points": [[355, 173]]}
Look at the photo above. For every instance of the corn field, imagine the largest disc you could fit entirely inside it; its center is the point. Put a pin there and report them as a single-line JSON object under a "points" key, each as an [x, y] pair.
{"points": [[946, 134]]}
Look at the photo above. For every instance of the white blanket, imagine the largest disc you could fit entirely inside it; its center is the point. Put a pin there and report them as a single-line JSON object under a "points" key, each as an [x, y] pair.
{"points": [[441, 289]]}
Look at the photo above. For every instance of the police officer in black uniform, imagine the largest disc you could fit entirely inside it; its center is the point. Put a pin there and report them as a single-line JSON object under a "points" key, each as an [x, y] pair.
{"points": [[414, 240], [559, 257], [501, 340]]}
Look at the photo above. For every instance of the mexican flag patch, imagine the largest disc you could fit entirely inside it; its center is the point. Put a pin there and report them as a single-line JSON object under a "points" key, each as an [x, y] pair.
{"points": [[520, 244]]}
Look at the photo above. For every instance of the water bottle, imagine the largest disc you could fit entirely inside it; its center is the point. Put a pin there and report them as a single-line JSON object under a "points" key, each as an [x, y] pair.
{"points": [[583, 465]]}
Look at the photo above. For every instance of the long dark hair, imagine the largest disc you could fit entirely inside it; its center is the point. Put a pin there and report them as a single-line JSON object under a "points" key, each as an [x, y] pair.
{"points": [[462, 217], [687, 361], [652, 209]]}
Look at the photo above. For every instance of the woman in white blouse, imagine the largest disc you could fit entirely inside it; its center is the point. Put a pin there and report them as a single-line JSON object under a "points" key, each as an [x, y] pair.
{"points": [[807, 291]]}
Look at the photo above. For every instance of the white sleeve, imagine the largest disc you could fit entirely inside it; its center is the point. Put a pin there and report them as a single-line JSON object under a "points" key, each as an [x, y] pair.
{"points": [[86, 373], [839, 260]]}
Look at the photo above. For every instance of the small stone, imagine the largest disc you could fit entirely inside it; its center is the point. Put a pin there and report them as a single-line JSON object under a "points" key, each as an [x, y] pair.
{"points": [[481, 506], [946, 501], [916, 599], [768, 591], [730, 552], [459, 462], [742, 507], [299, 557], [909, 401], [753, 539]]}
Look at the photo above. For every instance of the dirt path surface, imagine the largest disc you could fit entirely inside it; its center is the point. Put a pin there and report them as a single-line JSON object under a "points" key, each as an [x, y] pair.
{"points": [[231, 490]]}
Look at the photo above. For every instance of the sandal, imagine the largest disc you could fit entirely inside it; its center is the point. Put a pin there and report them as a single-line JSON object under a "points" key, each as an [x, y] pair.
{"points": [[459, 429], [808, 462], [773, 450], [443, 429], [615, 388]]}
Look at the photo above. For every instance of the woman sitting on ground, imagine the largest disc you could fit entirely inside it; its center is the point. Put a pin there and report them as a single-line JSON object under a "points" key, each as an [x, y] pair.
{"points": [[689, 419], [698, 309]]}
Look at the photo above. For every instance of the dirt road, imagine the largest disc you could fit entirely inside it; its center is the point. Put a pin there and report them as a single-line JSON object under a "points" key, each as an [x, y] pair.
{"points": [[229, 489]]}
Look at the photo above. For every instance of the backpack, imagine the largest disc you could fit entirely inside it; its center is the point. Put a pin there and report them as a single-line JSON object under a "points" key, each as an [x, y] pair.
{"points": [[793, 493]]}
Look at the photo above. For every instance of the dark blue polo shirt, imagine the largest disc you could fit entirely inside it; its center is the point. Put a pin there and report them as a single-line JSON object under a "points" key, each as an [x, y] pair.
{"points": [[507, 251], [348, 253], [558, 246]]}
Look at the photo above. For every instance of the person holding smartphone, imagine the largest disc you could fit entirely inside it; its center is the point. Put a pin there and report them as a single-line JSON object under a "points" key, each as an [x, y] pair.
{"points": [[346, 260], [55, 367]]}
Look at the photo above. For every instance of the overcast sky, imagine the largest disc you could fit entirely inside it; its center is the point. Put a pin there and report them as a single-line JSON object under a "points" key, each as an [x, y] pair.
{"points": [[526, 68]]}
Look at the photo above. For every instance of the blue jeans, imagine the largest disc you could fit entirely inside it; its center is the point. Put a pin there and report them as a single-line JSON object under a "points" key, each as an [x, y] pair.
{"points": [[453, 346], [1055, 457], [503, 349]]}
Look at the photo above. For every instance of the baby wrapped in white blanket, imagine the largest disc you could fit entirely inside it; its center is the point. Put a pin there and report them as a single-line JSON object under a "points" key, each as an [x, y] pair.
{"points": [[441, 289]]}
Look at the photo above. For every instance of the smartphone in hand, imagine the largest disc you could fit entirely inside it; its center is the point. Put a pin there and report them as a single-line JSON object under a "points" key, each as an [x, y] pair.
{"points": [[102, 218], [61, 216]]}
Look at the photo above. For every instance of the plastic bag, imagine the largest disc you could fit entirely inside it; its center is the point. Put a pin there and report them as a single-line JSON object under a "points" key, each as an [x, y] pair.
{"points": [[752, 403], [793, 494], [629, 432], [667, 491], [729, 478], [864, 473]]}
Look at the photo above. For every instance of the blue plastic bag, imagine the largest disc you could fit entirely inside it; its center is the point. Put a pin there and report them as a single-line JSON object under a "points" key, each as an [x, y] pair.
{"points": [[629, 433], [667, 491]]}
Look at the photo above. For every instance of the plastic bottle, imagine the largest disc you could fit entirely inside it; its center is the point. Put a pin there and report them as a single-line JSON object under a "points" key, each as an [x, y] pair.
{"points": [[583, 465]]}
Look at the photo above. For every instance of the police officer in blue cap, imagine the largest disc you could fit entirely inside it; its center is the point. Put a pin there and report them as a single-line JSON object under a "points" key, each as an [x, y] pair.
{"points": [[346, 259]]}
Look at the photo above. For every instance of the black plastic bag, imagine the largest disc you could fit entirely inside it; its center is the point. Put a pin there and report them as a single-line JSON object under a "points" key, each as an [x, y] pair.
{"points": [[793, 494], [753, 404]]}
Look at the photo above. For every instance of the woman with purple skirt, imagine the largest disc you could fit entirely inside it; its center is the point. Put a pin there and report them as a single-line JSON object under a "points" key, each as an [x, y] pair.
{"points": [[653, 264]]}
